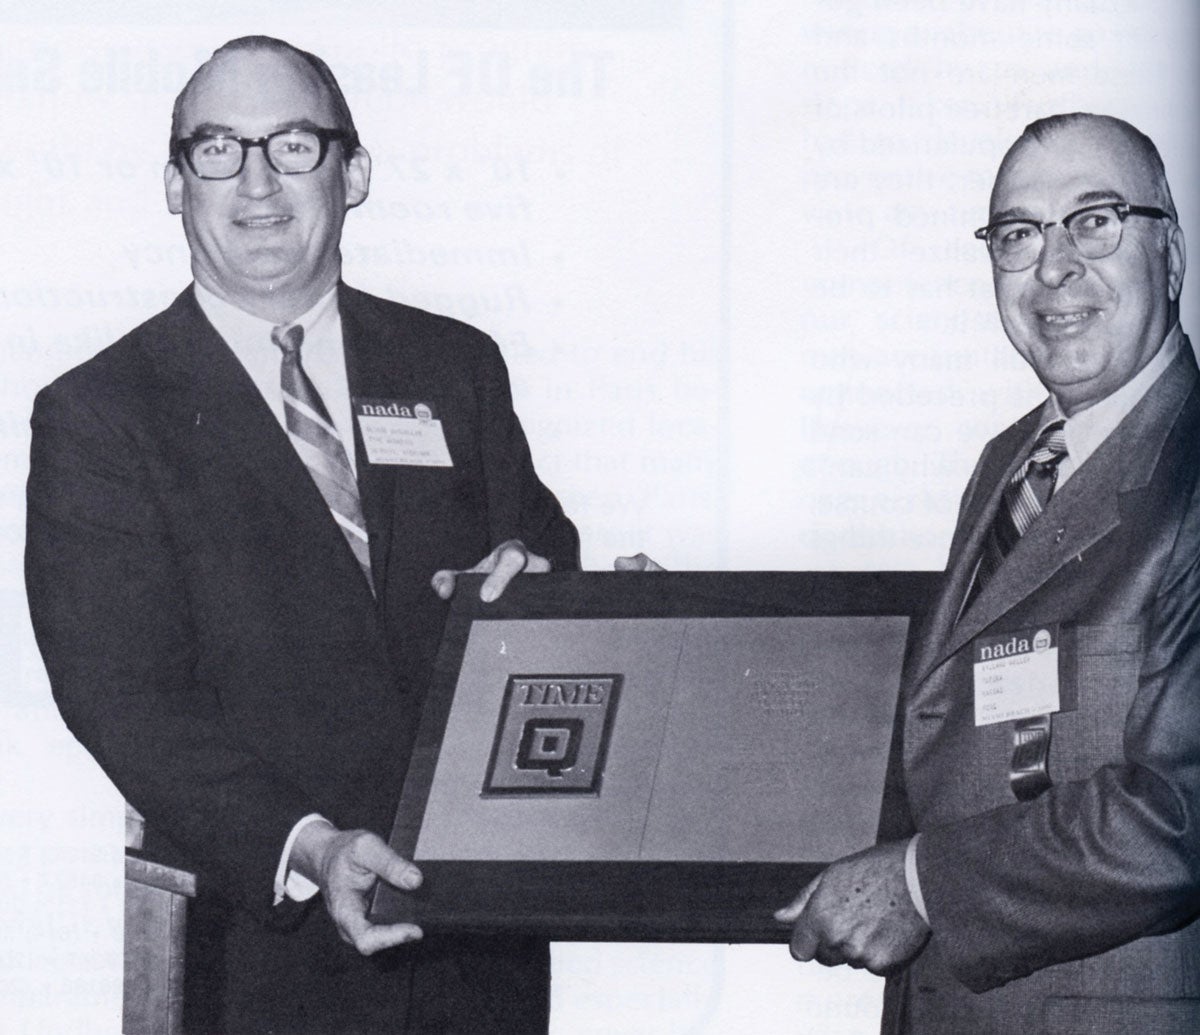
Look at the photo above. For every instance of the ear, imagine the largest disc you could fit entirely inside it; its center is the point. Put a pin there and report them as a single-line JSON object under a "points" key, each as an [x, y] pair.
{"points": [[358, 177], [1176, 261], [173, 184]]}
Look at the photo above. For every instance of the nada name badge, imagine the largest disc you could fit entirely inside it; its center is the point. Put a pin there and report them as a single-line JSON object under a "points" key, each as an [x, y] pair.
{"points": [[1016, 675], [407, 433]]}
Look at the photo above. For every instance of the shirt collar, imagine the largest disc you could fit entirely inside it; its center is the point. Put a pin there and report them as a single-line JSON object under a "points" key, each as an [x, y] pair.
{"points": [[1088, 428], [237, 325]]}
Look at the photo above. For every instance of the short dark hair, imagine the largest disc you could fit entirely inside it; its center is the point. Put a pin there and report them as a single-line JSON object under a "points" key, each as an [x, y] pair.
{"points": [[342, 118], [1042, 129]]}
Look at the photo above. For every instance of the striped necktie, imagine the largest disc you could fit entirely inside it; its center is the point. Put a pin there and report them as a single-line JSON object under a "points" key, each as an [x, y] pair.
{"points": [[320, 447], [1023, 500]]}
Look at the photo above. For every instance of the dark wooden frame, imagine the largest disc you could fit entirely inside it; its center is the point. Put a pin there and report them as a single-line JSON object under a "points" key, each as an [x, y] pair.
{"points": [[622, 901]]}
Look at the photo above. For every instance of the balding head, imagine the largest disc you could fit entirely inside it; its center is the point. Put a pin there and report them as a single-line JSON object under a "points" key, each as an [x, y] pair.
{"points": [[1125, 140], [1087, 318], [341, 117]]}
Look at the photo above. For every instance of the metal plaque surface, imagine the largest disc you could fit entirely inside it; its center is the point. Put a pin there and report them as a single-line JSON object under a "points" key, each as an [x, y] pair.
{"points": [[735, 739], [650, 756]]}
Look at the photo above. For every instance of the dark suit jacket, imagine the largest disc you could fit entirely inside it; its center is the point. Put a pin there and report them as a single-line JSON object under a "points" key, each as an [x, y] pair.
{"points": [[1076, 912], [208, 634]]}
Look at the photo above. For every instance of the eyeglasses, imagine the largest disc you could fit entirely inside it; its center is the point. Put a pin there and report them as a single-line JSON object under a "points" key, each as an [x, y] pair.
{"points": [[288, 151], [1095, 231]]}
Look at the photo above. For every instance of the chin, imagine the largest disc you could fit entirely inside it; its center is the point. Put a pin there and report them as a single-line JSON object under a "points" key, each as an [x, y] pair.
{"points": [[1071, 377], [1079, 388], [266, 277]]}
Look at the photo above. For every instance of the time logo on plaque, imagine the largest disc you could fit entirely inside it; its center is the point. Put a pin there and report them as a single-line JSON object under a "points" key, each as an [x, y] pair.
{"points": [[552, 735]]}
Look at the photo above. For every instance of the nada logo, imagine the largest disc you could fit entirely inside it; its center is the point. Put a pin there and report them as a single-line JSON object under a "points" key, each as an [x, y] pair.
{"points": [[552, 735], [1011, 645], [1005, 649], [383, 409], [421, 411]]}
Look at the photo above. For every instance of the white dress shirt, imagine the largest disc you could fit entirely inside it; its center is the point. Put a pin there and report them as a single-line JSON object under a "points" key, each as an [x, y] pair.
{"points": [[322, 356]]}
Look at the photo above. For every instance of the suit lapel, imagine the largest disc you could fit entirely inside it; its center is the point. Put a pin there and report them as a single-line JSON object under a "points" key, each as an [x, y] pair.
{"points": [[1087, 508], [1076, 517], [979, 506], [214, 408], [372, 371]]}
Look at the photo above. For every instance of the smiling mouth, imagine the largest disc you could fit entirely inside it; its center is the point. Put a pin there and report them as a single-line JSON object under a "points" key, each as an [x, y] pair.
{"points": [[261, 222], [1063, 320]]}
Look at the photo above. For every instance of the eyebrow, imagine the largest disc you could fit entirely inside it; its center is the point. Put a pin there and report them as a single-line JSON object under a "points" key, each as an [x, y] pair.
{"points": [[217, 129], [1088, 197], [210, 129]]}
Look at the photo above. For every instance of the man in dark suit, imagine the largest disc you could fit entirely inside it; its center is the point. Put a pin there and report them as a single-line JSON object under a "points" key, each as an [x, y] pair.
{"points": [[1039, 865], [235, 514]]}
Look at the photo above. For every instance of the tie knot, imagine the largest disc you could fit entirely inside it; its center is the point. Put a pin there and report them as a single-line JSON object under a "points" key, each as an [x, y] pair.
{"points": [[1051, 445], [289, 337]]}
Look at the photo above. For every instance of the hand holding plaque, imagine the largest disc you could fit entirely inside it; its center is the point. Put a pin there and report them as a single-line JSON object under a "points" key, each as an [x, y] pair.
{"points": [[501, 566], [858, 912], [345, 865], [637, 562]]}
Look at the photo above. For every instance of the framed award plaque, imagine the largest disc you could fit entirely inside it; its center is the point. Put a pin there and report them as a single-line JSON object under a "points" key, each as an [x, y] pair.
{"points": [[650, 756]]}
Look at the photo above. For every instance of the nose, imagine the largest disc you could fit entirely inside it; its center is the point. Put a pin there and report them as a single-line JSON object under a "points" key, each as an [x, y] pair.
{"points": [[1060, 260], [257, 179]]}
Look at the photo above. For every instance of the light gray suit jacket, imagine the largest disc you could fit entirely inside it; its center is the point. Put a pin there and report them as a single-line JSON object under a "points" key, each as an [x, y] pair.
{"points": [[1076, 912]]}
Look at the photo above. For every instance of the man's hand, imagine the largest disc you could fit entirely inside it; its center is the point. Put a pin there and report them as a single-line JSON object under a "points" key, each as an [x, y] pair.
{"points": [[858, 912], [345, 865], [502, 564], [638, 562]]}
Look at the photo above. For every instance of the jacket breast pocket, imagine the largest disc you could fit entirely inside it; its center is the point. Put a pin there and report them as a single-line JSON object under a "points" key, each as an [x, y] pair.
{"points": [[1100, 670]]}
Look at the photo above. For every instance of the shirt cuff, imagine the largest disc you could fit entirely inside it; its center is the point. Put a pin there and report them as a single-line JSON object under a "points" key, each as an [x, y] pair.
{"points": [[911, 878], [291, 883]]}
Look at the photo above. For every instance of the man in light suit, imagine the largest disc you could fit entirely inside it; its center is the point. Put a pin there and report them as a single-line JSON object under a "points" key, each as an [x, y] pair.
{"points": [[235, 514], [1039, 865]]}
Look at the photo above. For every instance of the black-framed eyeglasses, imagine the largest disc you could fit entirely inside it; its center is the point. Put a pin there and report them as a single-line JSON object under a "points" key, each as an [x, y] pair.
{"points": [[1095, 231], [218, 156]]}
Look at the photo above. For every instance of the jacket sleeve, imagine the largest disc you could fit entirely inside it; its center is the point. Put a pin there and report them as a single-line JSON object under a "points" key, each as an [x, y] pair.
{"points": [[111, 616], [1093, 863], [519, 505]]}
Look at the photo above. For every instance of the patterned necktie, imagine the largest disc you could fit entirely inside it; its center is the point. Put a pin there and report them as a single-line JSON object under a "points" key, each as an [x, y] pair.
{"points": [[320, 447], [1023, 500]]}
